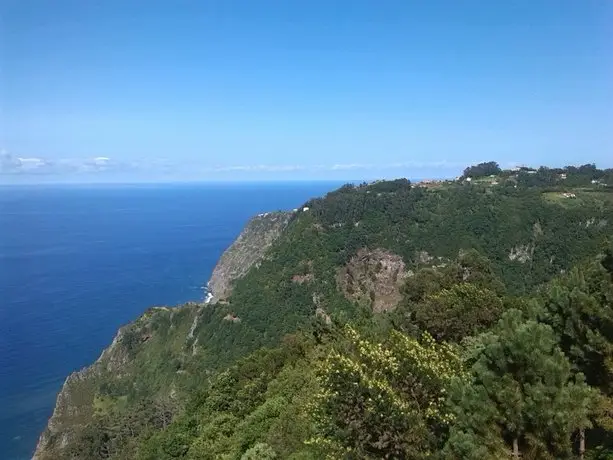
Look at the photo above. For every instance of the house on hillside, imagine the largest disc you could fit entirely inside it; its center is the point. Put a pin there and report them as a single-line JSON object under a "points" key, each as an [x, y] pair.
{"points": [[429, 183]]}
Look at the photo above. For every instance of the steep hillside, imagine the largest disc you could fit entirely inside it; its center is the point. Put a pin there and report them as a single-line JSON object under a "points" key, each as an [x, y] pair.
{"points": [[152, 363], [526, 238], [257, 236], [383, 256], [147, 362]]}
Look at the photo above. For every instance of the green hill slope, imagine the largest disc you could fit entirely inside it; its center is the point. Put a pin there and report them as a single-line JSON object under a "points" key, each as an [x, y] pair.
{"points": [[391, 258]]}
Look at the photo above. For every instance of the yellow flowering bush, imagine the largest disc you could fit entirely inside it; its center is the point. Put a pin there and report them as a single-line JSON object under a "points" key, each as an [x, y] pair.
{"points": [[384, 400]]}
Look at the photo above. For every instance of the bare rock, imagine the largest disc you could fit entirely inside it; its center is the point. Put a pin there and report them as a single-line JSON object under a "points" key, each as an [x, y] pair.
{"points": [[232, 318], [521, 253], [373, 277], [423, 257]]}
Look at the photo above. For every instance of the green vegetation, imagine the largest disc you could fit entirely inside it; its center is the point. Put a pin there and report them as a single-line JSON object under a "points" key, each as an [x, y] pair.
{"points": [[483, 169], [521, 390], [381, 400], [500, 346]]}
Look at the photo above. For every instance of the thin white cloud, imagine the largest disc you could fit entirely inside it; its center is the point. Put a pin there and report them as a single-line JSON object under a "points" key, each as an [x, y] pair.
{"points": [[29, 164], [335, 167], [258, 168], [350, 166], [10, 164]]}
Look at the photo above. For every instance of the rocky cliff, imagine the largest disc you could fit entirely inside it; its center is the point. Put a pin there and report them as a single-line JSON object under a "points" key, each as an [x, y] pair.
{"points": [[248, 249], [373, 277], [153, 357]]}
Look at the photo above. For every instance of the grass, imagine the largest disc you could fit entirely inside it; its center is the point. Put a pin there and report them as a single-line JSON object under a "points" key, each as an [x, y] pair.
{"points": [[598, 194], [105, 404], [583, 196]]}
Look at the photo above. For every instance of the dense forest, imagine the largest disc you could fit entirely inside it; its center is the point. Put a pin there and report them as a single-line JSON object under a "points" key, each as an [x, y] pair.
{"points": [[447, 319]]}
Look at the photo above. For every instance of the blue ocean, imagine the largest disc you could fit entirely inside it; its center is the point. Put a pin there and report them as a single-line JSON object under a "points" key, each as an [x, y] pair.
{"points": [[77, 262]]}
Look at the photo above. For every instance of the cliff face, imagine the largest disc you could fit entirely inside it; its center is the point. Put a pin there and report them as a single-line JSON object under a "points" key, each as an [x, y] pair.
{"points": [[248, 249], [96, 390], [156, 356], [74, 406], [374, 278]]}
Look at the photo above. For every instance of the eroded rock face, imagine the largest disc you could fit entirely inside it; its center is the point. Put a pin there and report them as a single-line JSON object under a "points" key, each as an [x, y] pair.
{"points": [[521, 253], [248, 249], [373, 277]]}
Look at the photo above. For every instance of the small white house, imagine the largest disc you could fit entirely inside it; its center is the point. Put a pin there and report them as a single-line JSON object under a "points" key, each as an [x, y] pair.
{"points": [[305, 209]]}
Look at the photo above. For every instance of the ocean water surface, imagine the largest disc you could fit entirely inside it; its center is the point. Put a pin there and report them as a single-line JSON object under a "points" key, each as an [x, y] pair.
{"points": [[77, 262]]}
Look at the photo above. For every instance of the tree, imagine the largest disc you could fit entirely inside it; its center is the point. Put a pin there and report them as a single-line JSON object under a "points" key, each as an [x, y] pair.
{"points": [[260, 451], [578, 308], [607, 261], [522, 396], [385, 400], [454, 313], [482, 169]]}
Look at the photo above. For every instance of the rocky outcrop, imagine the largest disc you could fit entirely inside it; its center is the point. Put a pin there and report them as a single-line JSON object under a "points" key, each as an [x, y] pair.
{"points": [[373, 277], [247, 250], [68, 414], [521, 253], [74, 404], [232, 318]]}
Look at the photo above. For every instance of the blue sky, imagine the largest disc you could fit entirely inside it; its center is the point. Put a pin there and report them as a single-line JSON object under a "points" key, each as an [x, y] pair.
{"points": [[313, 89]]}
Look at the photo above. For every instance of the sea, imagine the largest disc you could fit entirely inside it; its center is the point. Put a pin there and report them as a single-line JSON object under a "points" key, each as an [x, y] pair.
{"points": [[79, 261]]}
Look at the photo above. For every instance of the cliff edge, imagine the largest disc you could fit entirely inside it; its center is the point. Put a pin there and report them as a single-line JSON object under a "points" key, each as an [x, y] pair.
{"points": [[247, 250], [155, 357]]}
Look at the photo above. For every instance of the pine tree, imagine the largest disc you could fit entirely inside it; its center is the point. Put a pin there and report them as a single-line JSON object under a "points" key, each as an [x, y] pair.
{"points": [[578, 308], [522, 397]]}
